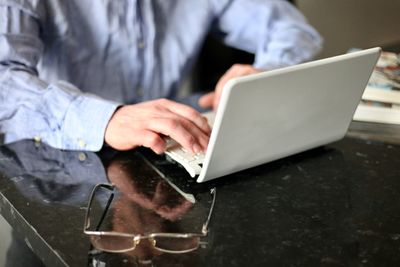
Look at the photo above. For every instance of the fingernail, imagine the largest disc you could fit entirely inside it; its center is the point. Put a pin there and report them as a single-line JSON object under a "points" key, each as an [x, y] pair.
{"points": [[196, 148], [158, 151]]}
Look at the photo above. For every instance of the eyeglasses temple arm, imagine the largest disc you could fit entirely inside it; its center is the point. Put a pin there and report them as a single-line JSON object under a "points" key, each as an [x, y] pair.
{"points": [[87, 221], [105, 211], [204, 229]]}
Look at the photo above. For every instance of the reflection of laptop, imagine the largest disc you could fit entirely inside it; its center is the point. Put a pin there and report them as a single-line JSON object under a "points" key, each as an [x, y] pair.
{"points": [[274, 114]]}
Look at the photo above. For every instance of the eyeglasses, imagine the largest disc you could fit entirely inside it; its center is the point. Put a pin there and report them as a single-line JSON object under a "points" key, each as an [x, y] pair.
{"points": [[111, 241]]}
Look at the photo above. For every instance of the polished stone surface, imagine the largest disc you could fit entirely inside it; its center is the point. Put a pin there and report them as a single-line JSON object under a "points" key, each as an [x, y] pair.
{"points": [[337, 205]]}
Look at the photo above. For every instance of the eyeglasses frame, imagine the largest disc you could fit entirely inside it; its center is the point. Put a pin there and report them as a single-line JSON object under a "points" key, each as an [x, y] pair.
{"points": [[138, 237]]}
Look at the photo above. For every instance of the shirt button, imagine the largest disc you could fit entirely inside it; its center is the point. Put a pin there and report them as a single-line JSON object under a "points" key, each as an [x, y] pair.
{"points": [[81, 143], [82, 156], [139, 91], [141, 44], [37, 140]]}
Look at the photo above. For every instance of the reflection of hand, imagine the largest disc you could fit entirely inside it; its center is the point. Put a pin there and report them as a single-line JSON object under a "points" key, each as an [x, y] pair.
{"points": [[146, 201], [156, 195], [143, 125], [211, 100], [169, 205]]}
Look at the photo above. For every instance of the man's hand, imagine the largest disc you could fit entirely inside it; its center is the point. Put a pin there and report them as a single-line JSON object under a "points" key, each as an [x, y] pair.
{"points": [[146, 123], [211, 100]]}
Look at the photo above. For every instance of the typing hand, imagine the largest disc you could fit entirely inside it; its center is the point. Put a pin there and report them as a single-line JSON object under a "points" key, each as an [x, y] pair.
{"points": [[211, 100], [144, 124]]}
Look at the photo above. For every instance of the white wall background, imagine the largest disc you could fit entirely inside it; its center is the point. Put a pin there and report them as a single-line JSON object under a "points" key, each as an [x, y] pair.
{"points": [[353, 23]]}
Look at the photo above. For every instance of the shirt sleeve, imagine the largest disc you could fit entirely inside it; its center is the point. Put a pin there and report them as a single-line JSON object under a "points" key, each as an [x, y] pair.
{"points": [[274, 30], [58, 114]]}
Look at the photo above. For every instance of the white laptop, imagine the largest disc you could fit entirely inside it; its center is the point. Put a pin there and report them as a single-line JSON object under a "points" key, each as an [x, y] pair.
{"points": [[274, 114]]}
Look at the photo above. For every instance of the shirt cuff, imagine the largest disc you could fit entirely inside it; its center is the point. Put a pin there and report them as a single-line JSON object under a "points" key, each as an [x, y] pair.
{"points": [[85, 123]]}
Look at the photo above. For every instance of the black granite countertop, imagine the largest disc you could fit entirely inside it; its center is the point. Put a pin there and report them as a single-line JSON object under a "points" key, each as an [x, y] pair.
{"points": [[336, 205]]}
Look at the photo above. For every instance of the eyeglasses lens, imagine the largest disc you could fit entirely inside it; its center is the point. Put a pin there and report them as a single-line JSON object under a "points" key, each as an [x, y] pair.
{"points": [[112, 243], [173, 244]]}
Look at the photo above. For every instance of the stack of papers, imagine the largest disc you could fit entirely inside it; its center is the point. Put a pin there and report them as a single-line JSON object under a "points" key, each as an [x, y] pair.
{"points": [[381, 99]]}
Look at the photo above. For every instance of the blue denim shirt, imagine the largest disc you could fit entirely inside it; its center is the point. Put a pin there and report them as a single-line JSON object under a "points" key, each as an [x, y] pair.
{"points": [[66, 65]]}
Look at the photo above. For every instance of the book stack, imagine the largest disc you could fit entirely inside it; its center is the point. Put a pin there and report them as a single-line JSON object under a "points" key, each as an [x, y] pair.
{"points": [[381, 99]]}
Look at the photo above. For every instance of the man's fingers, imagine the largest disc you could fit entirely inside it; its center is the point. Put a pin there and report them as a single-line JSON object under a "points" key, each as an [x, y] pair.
{"points": [[237, 70], [229, 74], [223, 80], [143, 124], [190, 114], [207, 100], [177, 130], [151, 140], [201, 137], [216, 101]]}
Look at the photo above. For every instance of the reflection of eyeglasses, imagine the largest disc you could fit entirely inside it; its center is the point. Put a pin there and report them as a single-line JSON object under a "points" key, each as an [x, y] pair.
{"points": [[110, 241]]}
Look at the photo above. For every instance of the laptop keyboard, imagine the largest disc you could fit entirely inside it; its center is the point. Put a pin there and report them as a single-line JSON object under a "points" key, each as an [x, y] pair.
{"points": [[191, 162]]}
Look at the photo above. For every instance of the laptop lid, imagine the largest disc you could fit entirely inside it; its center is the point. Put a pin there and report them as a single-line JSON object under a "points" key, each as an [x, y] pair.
{"points": [[274, 114]]}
